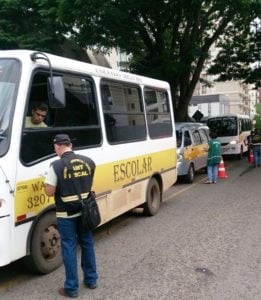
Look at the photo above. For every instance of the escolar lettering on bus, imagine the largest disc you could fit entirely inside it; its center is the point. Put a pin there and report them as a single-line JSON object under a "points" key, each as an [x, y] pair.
{"points": [[132, 168]]}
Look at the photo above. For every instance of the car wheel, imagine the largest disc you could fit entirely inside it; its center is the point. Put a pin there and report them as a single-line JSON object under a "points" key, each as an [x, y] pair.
{"points": [[189, 178]]}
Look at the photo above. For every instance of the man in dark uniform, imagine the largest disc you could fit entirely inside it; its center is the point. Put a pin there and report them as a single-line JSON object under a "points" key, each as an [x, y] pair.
{"points": [[59, 183]]}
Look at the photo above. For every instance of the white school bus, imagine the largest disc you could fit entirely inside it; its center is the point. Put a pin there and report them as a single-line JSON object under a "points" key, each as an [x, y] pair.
{"points": [[113, 117], [233, 131]]}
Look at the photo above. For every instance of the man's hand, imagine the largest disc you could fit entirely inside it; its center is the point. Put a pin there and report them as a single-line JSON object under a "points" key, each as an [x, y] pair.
{"points": [[49, 189]]}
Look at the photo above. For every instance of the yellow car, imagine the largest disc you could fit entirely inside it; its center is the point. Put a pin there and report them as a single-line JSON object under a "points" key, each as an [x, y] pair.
{"points": [[192, 145]]}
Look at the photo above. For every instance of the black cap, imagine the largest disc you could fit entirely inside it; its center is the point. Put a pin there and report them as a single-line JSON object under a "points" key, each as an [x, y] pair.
{"points": [[61, 139]]}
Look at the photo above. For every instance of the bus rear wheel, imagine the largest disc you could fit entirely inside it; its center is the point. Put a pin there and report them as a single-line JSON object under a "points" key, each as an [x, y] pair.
{"points": [[153, 198], [45, 247]]}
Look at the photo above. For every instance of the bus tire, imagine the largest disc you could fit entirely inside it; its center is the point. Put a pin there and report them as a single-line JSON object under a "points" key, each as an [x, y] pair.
{"points": [[45, 247], [153, 198], [189, 178]]}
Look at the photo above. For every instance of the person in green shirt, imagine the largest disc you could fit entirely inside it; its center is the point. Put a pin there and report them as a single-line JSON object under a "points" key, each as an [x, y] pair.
{"points": [[214, 157], [256, 146]]}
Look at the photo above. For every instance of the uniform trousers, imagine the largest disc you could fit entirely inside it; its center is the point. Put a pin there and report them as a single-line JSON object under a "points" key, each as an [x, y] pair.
{"points": [[257, 155], [71, 234]]}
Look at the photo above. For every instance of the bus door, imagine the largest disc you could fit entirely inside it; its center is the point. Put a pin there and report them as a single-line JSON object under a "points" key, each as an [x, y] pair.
{"points": [[10, 70]]}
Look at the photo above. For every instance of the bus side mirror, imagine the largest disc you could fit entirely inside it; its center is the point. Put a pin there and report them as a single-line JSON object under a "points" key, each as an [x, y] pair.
{"points": [[56, 92]]}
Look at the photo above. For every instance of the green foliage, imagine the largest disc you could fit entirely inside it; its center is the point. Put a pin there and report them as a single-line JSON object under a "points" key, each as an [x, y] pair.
{"points": [[257, 117], [240, 55], [168, 39], [30, 25], [258, 109]]}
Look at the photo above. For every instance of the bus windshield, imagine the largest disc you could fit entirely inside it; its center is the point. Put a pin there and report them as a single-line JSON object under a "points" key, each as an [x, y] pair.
{"points": [[9, 77], [224, 126]]}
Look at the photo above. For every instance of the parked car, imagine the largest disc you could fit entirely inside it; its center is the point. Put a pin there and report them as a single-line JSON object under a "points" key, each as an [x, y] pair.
{"points": [[192, 142]]}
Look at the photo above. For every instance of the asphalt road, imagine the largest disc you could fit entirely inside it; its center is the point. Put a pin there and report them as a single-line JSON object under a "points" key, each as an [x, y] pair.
{"points": [[203, 244]]}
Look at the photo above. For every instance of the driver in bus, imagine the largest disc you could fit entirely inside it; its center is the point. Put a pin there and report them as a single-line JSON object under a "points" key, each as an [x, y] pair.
{"points": [[39, 113]]}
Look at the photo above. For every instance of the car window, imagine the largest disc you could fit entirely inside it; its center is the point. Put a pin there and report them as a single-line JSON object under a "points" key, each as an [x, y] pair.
{"points": [[196, 137], [187, 138], [204, 136], [179, 138]]}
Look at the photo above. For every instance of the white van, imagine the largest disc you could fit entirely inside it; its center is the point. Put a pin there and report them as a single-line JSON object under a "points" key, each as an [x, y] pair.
{"points": [[192, 141]]}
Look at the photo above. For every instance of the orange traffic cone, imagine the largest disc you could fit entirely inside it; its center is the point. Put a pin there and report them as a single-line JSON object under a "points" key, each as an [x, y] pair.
{"points": [[221, 170], [251, 157]]}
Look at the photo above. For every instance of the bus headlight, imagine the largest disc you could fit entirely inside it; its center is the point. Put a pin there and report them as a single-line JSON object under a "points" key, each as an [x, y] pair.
{"points": [[233, 143]]}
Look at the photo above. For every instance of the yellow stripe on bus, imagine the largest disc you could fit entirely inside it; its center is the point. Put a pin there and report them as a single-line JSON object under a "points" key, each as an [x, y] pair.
{"points": [[31, 198]]}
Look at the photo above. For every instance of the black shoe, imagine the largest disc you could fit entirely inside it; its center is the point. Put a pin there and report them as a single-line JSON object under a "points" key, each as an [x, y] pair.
{"points": [[63, 293], [91, 286]]}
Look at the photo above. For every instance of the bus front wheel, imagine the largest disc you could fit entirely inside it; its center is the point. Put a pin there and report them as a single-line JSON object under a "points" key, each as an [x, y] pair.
{"points": [[153, 198], [45, 247]]}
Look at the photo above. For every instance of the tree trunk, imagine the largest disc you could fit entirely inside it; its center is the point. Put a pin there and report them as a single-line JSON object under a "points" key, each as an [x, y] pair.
{"points": [[181, 112], [180, 104]]}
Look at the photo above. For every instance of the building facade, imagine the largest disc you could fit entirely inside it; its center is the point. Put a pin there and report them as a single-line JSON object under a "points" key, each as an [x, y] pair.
{"points": [[222, 97], [210, 98]]}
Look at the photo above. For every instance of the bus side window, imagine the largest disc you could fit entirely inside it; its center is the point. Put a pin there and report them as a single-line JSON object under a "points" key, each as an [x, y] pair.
{"points": [[107, 107], [38, 98], [123, 112], [79, 119], [35, 142], [158, 113], [240, 125], [80, 107]]}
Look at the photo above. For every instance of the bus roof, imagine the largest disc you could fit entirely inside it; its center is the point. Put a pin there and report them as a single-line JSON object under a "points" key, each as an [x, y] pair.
{"points": [[63, 63]]}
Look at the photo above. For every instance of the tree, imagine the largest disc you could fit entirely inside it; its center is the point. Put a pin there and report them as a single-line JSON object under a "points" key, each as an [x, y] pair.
{"points": [[168, 39], [257, 117], [240, 56], [30, 24]]}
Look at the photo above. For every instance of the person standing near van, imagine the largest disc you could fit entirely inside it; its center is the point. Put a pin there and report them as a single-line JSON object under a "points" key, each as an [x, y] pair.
{"points": [[214, 158], [256, 146], [60, 183]]}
